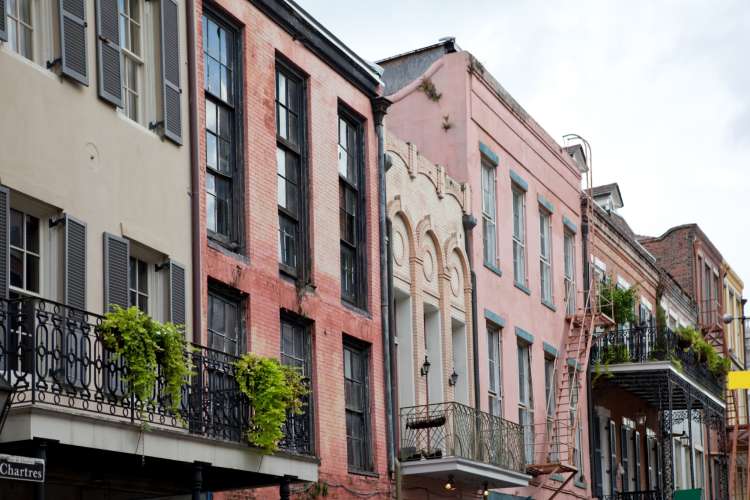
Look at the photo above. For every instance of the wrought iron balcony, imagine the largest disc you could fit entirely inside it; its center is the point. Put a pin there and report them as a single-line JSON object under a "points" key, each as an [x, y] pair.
{"points": [[54, 356], [634, 495], [455, 430], [644, 344]]}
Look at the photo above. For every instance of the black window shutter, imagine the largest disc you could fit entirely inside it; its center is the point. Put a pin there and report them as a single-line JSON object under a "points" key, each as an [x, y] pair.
{"points": [[4, 240], [3, 22], [637, 459], [74, 54], [170, 66], [75, 263], [625, 458], [612, 456], [116, 260], [108, 51], [598, 459], [176, 292]]}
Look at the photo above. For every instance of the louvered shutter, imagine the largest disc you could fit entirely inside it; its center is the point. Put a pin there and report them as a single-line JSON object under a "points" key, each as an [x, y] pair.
{"points": [[4, 241], [74, 53], [75, 263], [108, 51], [170, 65], [116, 260], [637, 459], [612, 456], [598, 459], [649, 463], [176, 293], [625, 458], [3, 22]]}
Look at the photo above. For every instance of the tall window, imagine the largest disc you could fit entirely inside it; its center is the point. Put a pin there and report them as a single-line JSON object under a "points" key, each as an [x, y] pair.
{"points": [[575, 421], [545, 256], [131, 43], [569, 251], [519, 236], [526, 399], [351, 210], [494, 359], [220, 85], [489, 214], [296, 351], [24, 252], [357, 396], [138, 288], [224, 323], [549, 399], [20, 27], [290, 140]]}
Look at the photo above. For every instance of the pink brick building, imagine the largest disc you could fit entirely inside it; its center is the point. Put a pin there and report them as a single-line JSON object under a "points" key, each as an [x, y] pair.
{"points": [[525, 249]]}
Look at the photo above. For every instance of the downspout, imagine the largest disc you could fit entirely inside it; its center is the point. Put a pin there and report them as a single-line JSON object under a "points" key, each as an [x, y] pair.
{"points": [[195, 206], [380, 108], [469, 222]]}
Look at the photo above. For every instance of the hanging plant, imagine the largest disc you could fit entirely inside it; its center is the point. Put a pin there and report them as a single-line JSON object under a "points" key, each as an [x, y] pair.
{"points": [[145, 345], [274, 390]]}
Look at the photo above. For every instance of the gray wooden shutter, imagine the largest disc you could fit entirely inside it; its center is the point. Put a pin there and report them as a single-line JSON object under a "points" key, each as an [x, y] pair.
{"points": [[3, 22], [74, 53], [116, 261], [108, 51], [598, 459], [637, 459], [176, 293], [624, 458], [4, 241], [612, 456], [75, 263], [170, 66]]}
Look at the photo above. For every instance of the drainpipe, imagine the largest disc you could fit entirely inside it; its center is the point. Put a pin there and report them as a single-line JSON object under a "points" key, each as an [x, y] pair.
{"points": [[595, 475], [380, 108], [195, 206], [469, 221]]}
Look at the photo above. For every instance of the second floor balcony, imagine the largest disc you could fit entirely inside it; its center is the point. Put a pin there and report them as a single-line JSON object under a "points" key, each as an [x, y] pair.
{"points": [[453, 439], [646, 348], [70, 389]]}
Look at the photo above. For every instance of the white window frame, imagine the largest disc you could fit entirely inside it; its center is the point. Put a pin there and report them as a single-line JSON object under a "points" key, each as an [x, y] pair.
{"points": [[569, 271], [495, 368], [489, 212], [14, 20], [129, 56], [23, 289], [134, 288], [545, 256], [526, 402], [519, 235]]}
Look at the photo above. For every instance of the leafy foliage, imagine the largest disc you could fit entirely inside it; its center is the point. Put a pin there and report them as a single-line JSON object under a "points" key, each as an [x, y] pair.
{"points": [[620, 302], [613, 354], [146, 345], [273, 390], [704, 352]]}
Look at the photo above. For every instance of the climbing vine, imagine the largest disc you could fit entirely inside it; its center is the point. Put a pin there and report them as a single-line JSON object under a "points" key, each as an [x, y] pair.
{"points": [[429, 89], [274, 390]]}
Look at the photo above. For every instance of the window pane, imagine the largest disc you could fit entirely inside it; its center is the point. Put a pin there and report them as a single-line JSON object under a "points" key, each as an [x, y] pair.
{"points": [[211, 122], [226, 85], [16, 268], [210, 203], [32, 234], [213, 78], [142, 277], [223, 197], [16, 228], [211, 151], [288, 241], [225, 156], [213, 39], [225, 48]]}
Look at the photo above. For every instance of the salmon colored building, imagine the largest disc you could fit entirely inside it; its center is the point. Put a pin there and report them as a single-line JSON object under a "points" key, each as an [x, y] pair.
{"points": [[289, 155], [524, 249]]}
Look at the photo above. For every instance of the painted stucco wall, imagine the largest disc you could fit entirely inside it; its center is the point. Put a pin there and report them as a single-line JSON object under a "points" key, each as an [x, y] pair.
{"points": [[476, 112], [77, 154]]}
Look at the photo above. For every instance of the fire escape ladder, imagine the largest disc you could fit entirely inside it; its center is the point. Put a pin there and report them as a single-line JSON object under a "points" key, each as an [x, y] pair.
{"points": [[732, 425]]}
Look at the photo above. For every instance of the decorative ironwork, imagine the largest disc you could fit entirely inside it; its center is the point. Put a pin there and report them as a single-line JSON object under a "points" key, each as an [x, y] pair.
{"points": [[456, 430], [645, 343], [634, 495], [53, 354]]}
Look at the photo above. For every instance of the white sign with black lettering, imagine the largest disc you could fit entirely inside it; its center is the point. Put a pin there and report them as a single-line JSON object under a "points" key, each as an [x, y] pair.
{"points": [[21, 468]]}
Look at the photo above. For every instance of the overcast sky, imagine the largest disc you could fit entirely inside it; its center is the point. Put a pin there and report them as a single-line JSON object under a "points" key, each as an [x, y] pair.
{"points": [[662, 92]]}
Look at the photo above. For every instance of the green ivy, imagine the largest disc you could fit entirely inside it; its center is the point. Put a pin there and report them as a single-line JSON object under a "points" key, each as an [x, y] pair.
{"points": [[146, 345], [718, 365], [274, 390], [620, 302]]}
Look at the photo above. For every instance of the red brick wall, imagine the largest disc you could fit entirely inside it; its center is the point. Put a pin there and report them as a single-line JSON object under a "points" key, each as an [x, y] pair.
{"points": [[674, 252], [257, 275]]}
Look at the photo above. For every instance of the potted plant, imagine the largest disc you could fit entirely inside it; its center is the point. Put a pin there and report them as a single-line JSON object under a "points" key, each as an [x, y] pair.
{"points": [[685, 337]]}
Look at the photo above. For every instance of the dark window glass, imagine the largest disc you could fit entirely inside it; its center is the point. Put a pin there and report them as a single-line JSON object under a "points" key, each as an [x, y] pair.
{"points": [[351, 207], [222, 183], [290, 139], [138, 284], [224, 324], [296, 351], [356, 393]]}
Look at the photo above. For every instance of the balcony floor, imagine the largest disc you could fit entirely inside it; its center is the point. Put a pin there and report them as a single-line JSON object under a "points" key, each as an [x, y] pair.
{"points": [[465, 472]]}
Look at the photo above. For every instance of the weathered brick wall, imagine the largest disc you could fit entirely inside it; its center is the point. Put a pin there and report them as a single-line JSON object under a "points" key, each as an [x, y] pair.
{"points": [[256, 273], [674, 252]]}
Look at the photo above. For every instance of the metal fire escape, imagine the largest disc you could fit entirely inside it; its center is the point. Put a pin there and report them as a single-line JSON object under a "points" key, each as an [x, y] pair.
{"points": [[556, 443]]}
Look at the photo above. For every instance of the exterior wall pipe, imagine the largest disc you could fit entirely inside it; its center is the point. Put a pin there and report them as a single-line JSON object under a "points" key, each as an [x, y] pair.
{"points": [[195, 205], [380, 108], [470, 222]]}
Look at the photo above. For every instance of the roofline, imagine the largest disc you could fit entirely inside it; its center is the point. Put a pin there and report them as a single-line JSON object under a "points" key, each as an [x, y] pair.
{"points": [[450, 41], [691, 225], [324, 44]]}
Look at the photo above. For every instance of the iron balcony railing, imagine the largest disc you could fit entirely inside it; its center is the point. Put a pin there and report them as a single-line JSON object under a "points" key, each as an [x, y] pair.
{"points": [[634, 495], [645, 343], [54, 356], [455, 430]]}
